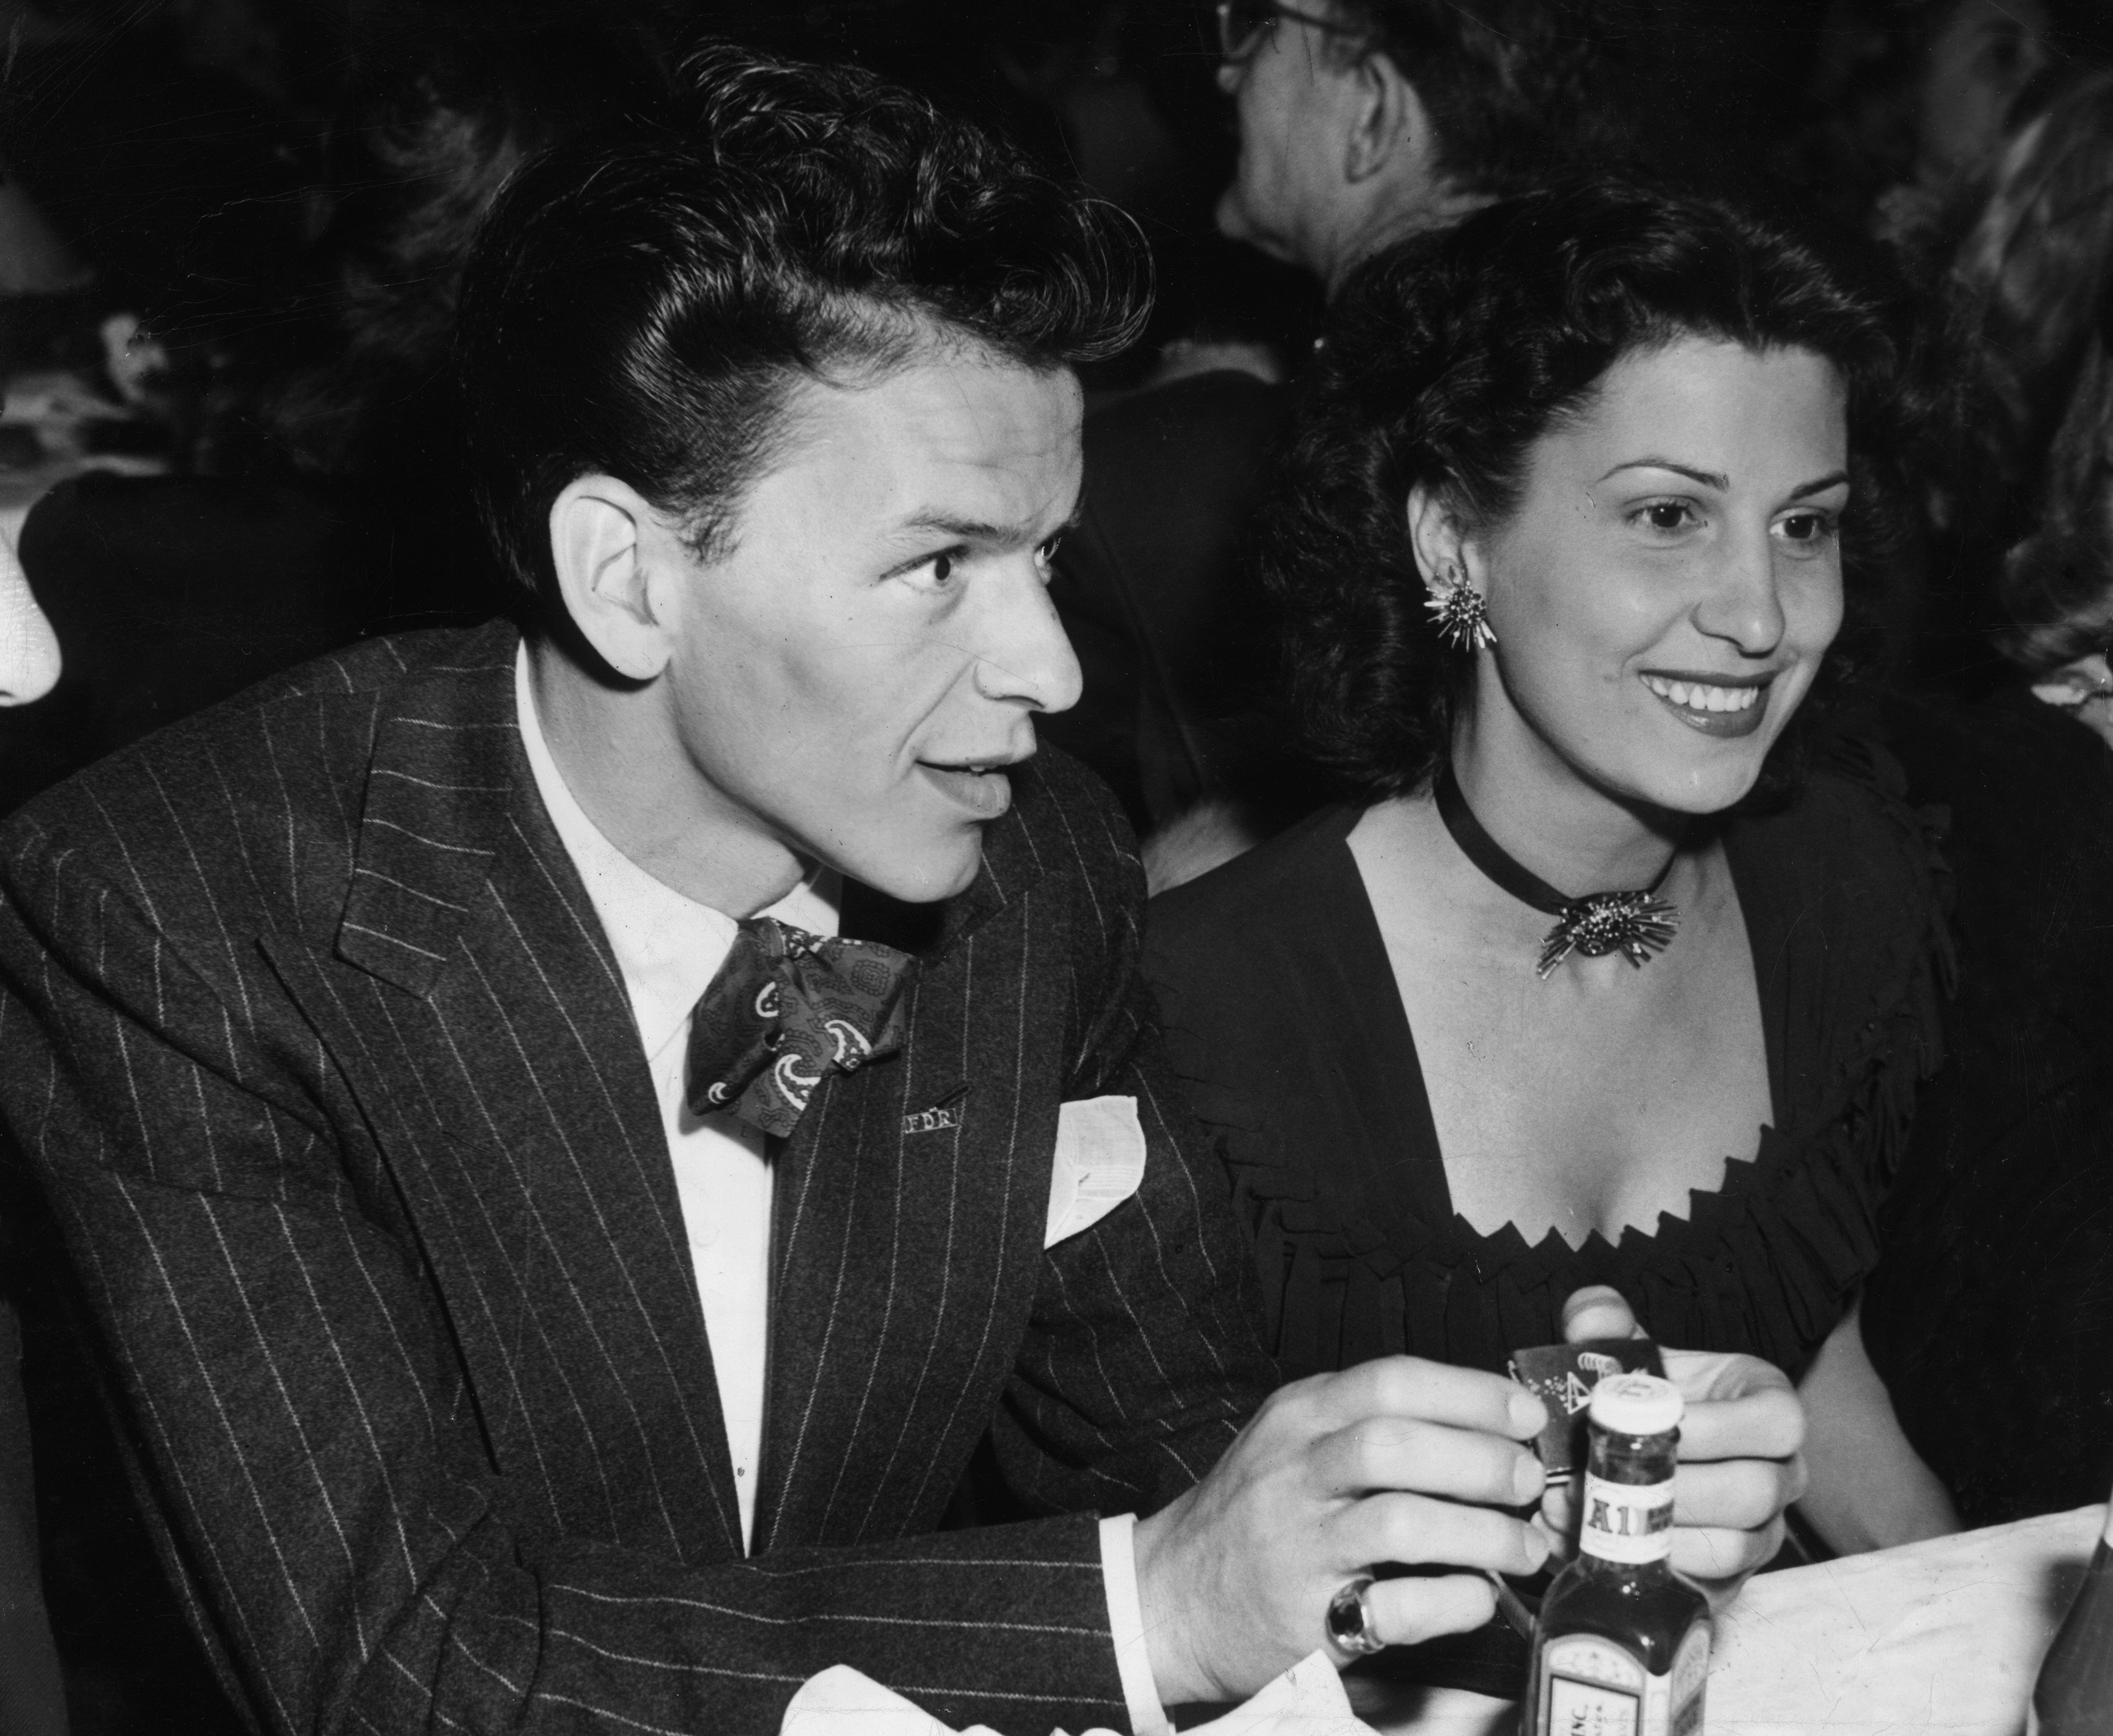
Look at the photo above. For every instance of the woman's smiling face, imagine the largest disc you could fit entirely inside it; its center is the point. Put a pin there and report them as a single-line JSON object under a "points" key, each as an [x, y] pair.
{"points": [[1671, 577]]}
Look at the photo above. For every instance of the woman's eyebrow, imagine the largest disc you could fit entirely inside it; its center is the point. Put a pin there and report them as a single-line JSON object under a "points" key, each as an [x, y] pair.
{"points": [[1708, 478], [1712, 479]]}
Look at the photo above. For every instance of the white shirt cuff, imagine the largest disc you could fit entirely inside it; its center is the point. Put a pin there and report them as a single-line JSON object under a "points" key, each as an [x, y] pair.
{"points": [[1147, 1717]]}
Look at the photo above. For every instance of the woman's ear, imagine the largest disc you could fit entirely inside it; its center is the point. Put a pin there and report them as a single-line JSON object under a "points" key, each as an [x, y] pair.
{"points": [[605, 556], [1437, 538]]}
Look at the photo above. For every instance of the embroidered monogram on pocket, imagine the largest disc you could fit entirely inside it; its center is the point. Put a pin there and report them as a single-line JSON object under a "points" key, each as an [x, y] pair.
{"points": [[942, 1115], [935, 1120]]}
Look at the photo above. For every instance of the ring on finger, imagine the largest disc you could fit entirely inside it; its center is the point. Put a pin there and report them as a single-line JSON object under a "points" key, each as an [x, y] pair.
{"points": [[1349, 1620]]}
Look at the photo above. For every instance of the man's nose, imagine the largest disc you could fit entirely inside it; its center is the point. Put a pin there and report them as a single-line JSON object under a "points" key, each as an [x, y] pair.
{"points": [[1228, 75], [1744, 602], [1025, 656]]}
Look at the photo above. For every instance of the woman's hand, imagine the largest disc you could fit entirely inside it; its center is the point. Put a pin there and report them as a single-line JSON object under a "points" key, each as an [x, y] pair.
{"points": [[1741, 1463]]}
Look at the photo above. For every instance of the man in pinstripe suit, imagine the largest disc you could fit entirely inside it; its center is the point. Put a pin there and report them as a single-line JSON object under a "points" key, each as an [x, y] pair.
{"points": [[478, 1376]]}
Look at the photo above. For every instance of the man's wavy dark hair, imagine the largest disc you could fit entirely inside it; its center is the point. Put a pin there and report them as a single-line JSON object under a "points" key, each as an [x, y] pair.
{"points": [[1448, 356], [640, 306]]}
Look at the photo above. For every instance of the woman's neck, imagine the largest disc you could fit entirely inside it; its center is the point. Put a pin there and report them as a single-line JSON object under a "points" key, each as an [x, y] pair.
{"points": [[1547, 816]]}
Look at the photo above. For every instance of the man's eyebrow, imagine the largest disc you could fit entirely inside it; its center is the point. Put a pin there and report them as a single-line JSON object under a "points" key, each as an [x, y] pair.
{"points": [[1017, 535]]}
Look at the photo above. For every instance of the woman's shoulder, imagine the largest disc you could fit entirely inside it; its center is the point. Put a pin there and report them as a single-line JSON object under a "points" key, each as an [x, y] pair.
{"points": [[1847, 850], [1289, 879], [1847, 899], [1260, 966]]}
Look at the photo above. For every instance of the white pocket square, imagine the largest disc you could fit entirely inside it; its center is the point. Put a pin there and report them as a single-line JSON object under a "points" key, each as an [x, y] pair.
{"points": [[1099, 1162]]}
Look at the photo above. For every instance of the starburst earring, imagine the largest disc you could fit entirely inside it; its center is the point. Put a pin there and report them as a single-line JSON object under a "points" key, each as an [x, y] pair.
{"points": [[1458, 612]]}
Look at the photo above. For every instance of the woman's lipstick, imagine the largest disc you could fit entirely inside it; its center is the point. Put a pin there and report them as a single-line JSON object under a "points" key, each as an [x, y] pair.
{"points": [[1716, 705]]}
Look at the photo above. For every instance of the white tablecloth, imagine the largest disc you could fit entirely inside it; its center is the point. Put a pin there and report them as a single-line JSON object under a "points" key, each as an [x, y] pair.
{"points": [[1934, 1639], [1942, 1637]]}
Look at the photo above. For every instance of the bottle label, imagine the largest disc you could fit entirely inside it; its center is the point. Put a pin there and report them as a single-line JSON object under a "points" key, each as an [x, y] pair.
{"points": [[1588, 1687], [1591, 1687], [1627, 1522]]}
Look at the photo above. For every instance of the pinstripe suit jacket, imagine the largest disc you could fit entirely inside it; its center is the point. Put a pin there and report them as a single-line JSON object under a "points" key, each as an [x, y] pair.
{"points": [[323, 1062]]}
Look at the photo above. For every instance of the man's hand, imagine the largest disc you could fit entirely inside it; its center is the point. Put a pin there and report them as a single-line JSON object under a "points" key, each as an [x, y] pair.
{"points": [[1740, 1464], [1398, 1460]]}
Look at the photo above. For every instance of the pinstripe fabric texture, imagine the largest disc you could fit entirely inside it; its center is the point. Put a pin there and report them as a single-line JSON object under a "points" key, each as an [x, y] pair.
{"points": [[324, 1064]]}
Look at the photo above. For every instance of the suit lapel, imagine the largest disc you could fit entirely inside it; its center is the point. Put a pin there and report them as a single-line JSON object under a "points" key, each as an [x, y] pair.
{"points": [[496, 1054], [909, 1250]]}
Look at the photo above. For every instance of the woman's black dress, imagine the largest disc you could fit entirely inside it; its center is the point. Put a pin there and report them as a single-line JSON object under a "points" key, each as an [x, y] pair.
{"points": [[1283, 1018]]}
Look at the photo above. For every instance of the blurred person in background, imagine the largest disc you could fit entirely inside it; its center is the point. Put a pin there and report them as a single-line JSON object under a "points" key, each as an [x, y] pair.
{"points": [[1359, 122], [1364, 122], [1978, 59], [29, 648], [1991, 1317], [31, 1700], [33, 262], [312, 492], [2035, 275], [1907, 100]]}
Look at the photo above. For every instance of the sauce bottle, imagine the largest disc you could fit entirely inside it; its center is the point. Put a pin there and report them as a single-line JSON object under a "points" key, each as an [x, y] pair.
{"points": [[1623, 1644]]}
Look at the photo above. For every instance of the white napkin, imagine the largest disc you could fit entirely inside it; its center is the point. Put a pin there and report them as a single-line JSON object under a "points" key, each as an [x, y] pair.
{"points": [[1307, 1700], [1099, 1163]]}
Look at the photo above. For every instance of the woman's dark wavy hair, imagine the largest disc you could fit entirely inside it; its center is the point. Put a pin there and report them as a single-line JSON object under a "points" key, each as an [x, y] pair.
{"points": [[1448, 356], [640, 306]]}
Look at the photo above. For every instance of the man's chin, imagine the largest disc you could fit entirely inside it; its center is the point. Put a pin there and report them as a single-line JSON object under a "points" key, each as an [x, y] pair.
{"points": [[1236, 223], [926, 875]]}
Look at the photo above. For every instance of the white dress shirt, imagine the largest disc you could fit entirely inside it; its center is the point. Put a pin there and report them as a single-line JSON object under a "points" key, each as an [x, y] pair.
{"points": [[667, 949]]}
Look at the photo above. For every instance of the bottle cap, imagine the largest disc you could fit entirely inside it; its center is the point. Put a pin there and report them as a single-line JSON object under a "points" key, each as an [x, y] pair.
{"points": [[1636, 1404]]}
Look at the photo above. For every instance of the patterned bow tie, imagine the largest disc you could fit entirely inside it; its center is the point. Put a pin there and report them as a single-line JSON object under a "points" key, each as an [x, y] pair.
{"points": [[785, 1007]]}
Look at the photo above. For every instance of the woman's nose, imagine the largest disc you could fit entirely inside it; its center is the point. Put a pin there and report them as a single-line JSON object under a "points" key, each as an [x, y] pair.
{"points": [[29, 648], [1744, 604]]}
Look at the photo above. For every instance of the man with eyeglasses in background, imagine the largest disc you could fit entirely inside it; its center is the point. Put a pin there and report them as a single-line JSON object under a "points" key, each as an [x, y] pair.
{"points": [[1361, 122]]}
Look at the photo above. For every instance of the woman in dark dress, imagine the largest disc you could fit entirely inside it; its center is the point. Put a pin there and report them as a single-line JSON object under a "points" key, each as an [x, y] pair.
{"points": [[1579, 501]]}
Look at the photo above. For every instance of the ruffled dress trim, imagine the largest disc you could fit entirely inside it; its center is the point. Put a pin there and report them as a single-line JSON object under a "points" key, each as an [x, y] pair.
{"points": [[1843, 896]]}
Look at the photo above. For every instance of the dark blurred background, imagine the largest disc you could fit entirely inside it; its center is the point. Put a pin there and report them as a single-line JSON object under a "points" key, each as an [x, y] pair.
{"points": [[228, 228]]}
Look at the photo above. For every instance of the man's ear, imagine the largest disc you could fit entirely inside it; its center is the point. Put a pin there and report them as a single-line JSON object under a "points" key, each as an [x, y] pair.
{"points": [[1389, 123], [1439, 539], [604, 550]]}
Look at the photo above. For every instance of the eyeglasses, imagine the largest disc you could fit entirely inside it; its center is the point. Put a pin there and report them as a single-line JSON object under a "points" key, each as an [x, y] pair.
{"points": [[1241, 23]]}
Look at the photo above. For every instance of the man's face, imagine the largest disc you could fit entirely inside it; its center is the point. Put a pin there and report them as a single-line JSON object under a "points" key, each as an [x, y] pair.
{"points": [[1337, 157], [1292, 93], [853, 678], [1981, 55]]}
